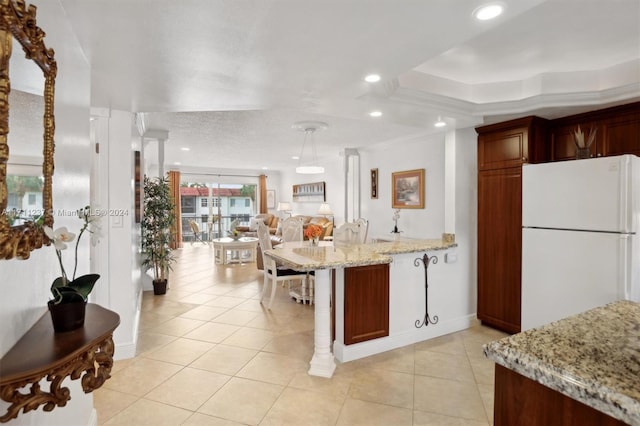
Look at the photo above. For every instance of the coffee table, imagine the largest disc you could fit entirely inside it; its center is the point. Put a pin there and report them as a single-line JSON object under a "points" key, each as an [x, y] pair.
{"points": [[228, 250]]}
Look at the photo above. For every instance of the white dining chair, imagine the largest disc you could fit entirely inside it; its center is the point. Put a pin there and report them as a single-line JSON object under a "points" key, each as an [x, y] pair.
{"points": [[272, 273], [292, 229], [364, 229], [347, 234]]}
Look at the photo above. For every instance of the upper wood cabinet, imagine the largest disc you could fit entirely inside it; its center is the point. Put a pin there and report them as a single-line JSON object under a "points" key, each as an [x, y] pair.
{"points": [[512, 143], [621, 134], [618, 132]]}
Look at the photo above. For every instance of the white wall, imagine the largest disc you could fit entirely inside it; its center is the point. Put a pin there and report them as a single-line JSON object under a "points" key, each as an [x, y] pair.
{"points": [[422, 153], [25, 283]]}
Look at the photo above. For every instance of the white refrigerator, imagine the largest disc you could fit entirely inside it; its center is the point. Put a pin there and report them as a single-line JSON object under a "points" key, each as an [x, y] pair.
{"points": [[580, 241]]}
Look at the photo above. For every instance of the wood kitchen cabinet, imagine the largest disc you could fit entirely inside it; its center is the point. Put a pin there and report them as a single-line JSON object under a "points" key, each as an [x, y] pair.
{"points": [[502, 149], [500, 247], [366, 303], [511, 143], [617, 132], [522, 401]]}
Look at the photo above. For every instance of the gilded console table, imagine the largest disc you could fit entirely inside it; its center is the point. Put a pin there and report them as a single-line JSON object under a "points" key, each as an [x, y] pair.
{"points": [[42, 353]]}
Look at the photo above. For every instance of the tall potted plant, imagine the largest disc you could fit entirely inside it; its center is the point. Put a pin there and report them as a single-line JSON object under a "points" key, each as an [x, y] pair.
{"points": [[157, 221]]}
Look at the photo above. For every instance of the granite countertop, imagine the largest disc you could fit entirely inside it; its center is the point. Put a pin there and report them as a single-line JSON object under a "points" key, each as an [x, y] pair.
{"points": [[592, 357], [304, 257]]}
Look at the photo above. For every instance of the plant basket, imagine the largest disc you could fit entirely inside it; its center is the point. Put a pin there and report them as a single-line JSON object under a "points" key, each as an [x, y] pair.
{"points": [[159, 287], [67, 316]]}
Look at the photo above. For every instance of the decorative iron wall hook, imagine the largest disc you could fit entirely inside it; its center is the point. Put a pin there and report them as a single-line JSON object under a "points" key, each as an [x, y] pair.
{"points": [[426, 260]]}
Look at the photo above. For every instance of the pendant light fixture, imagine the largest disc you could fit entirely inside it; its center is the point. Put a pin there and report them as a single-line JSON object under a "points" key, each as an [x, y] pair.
{"points": [[310, 165]]}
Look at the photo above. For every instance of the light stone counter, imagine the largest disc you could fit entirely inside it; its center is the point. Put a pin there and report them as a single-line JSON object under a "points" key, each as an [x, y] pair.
{"points": [[304, 257], [593, 357]]}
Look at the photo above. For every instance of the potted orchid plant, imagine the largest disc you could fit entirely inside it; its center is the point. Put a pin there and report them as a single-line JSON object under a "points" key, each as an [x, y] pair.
{"points": [[69, 301], [396, 217]]}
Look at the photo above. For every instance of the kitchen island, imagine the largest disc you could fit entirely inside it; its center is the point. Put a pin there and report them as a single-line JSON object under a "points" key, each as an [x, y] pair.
{"points": [[580, 370], [404, 306]]}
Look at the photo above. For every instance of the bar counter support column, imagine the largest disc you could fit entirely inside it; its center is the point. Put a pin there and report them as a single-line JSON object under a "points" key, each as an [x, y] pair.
{"points": [[322, 363]]}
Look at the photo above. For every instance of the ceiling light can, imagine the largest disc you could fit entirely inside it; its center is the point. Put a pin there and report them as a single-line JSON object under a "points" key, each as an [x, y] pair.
{"points": [[488, 11], [372, 78]]}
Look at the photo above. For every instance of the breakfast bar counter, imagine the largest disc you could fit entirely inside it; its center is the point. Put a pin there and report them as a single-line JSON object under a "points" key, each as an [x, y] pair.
{"points": [[305, 257], [326, 257], [588, 366]]}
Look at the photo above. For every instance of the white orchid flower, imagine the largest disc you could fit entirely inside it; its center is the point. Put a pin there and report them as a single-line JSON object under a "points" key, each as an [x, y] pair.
{"points": [[60, 237], [95, 230]]}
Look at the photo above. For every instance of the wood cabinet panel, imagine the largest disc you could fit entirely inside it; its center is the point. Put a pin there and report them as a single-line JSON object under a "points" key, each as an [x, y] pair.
{"points": [[511, 143], [366, 303], [522, 401], [500, 247], [562, 145], [503, 149], [621, 135]]}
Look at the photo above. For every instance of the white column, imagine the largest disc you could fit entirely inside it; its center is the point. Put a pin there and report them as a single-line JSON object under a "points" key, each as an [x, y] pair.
{"points": [[351, 184], [322, 363], [119, 287], [161, 136], [450, 182], [100, 201], [161, 158]]}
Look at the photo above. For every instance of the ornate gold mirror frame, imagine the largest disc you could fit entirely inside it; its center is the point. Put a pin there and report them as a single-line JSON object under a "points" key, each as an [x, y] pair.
{"points": [[19, 20]]}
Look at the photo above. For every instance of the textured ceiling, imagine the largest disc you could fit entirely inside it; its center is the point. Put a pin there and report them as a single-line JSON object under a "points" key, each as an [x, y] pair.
{"points": [[227, 79]]}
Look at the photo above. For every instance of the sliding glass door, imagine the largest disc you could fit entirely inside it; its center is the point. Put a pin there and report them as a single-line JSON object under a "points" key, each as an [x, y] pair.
{"points": [[212, 203]]}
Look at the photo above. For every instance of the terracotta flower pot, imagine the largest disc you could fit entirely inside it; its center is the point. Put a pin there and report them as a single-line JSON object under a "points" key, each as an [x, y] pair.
{"points": [[67, 316]]}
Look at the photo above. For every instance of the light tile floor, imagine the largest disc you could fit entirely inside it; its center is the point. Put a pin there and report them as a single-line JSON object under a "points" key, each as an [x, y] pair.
{"points": [[210, 354]]}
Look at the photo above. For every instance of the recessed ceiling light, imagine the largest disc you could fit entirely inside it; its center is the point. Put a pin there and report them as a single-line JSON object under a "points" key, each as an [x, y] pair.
{"points": [[372, 78], [295, 157], [177, 163], [184, 148], [375, 113], [440, 123], [488, 11]]}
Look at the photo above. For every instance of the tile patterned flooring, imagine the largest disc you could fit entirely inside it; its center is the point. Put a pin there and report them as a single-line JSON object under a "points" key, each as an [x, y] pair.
{"points": [[210, 354]]}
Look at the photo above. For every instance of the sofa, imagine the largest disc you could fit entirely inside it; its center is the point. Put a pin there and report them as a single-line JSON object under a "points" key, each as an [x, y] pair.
{"points": [[268, 219], [321, 221]]}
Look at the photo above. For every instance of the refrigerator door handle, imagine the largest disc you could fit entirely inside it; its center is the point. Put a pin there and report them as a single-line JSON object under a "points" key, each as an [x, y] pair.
{"points": [[625, 267]]}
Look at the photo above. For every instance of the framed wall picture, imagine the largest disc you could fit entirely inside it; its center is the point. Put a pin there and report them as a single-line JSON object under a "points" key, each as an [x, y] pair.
{"points": [[374, 183], [408, 189], [271, 198], [314, 191]]}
